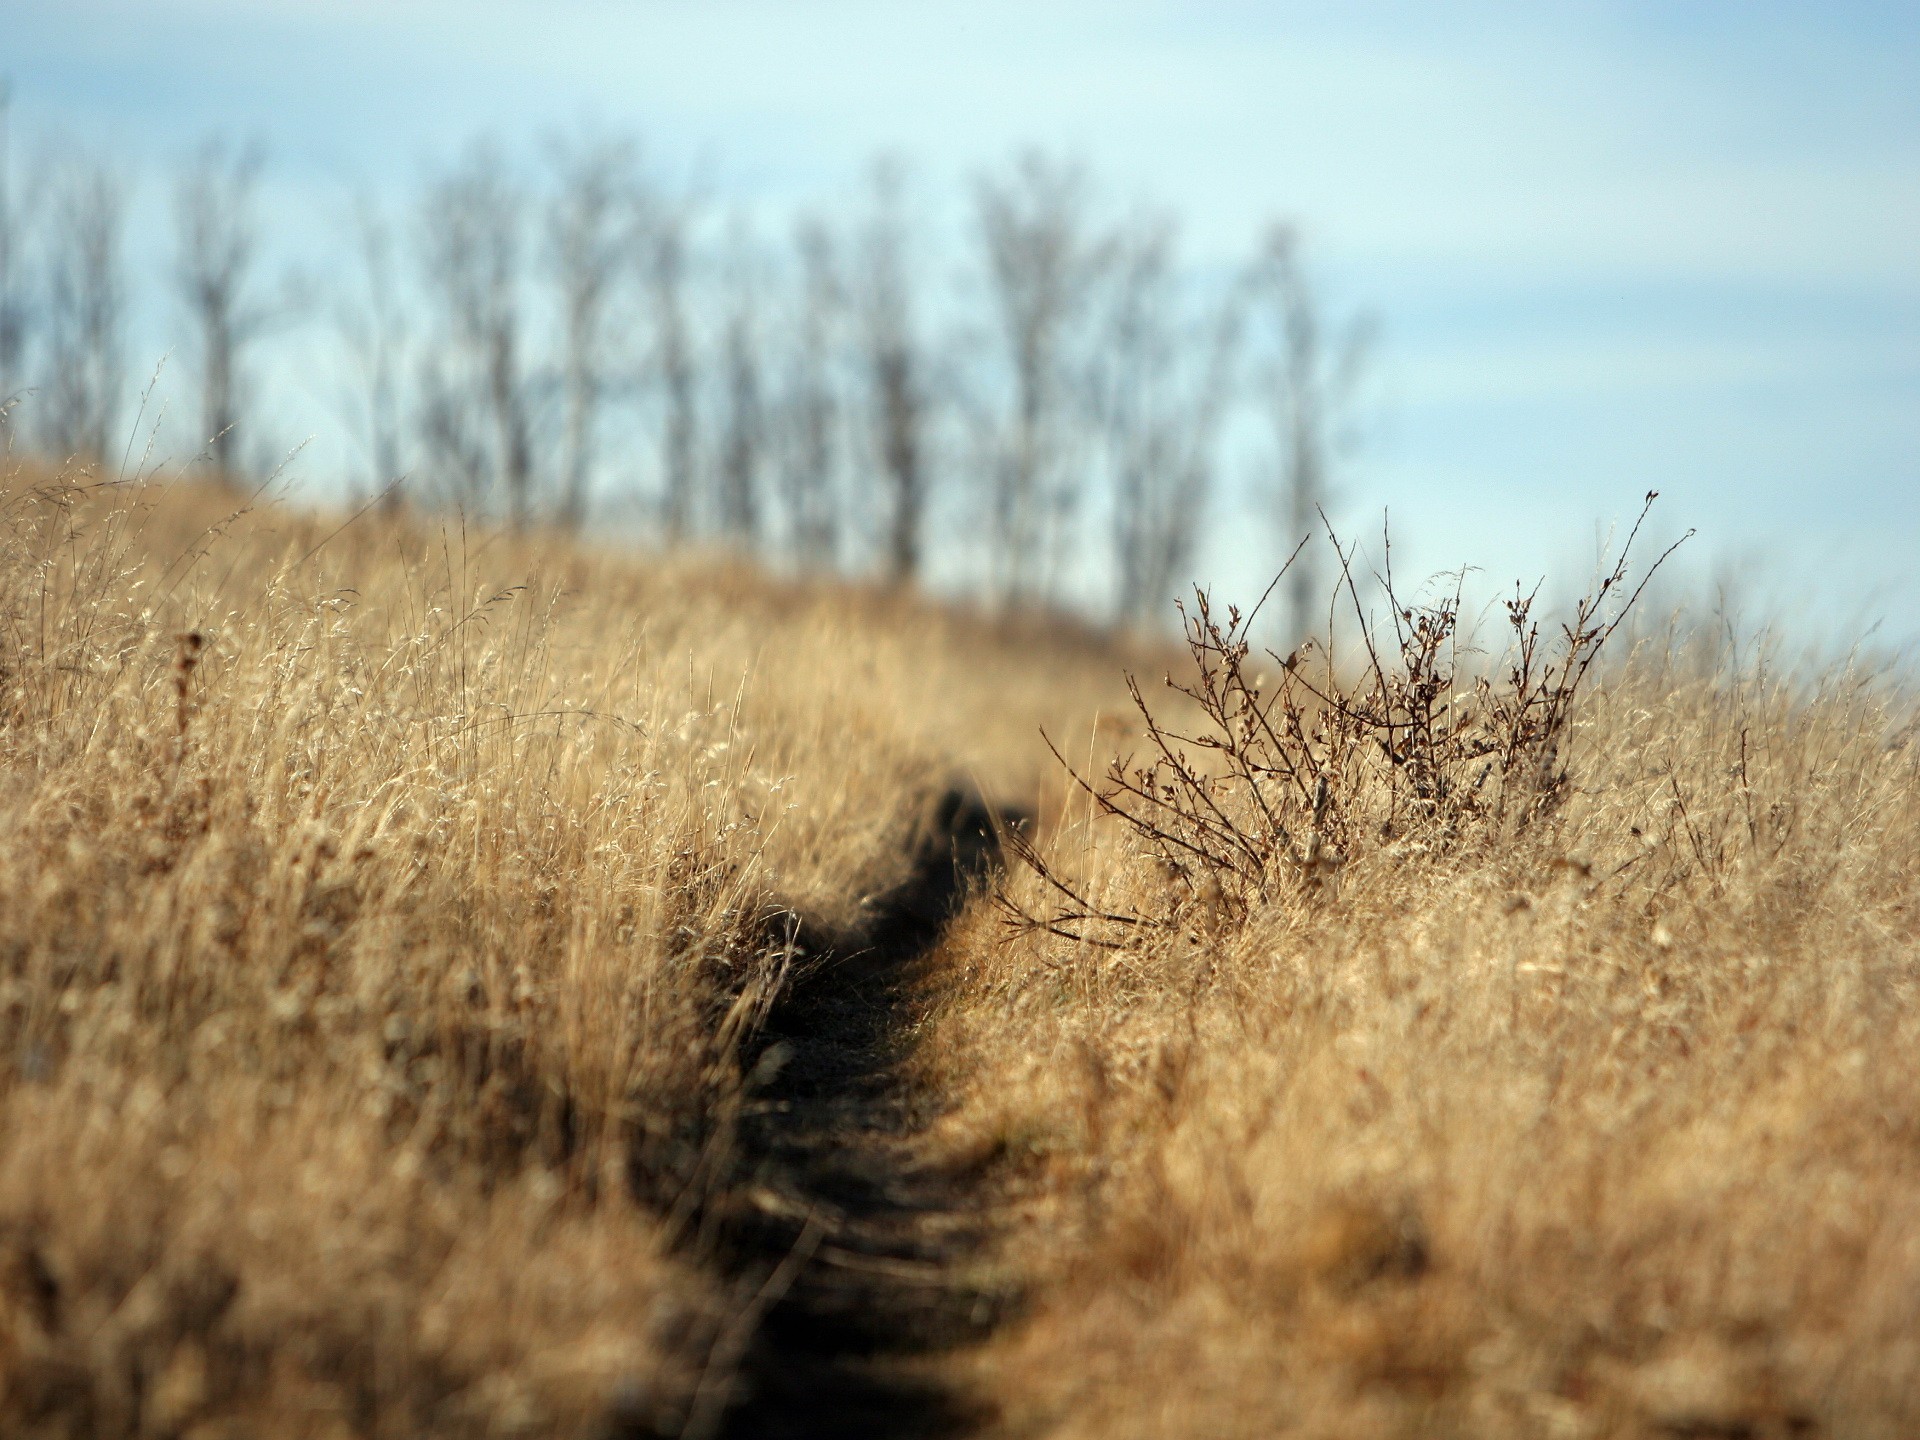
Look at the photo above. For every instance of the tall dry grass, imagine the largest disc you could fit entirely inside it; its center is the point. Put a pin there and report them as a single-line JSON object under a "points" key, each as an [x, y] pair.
{"points": [[373, 968], [381, 909], [1600, 1124]]}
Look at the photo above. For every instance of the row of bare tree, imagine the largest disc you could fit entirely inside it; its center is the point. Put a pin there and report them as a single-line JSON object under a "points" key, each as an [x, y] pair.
{"points": [[64, 296], [565, 336]]}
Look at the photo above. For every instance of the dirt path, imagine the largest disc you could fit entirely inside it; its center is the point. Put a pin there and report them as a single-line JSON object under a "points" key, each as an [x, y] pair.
{"points": [[852, 1253]]}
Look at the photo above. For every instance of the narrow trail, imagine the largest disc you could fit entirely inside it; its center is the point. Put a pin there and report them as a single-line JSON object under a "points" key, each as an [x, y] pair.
{"points": [[853, 1252]]}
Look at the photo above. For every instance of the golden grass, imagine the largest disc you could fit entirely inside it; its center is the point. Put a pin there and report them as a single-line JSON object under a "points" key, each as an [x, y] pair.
{"points": [[1604, 1128], [373, 970], [381, 909]]}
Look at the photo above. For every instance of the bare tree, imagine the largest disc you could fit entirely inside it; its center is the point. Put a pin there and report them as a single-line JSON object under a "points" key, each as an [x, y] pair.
{"points": [[217, 246], [812, 459], [1041, 267], [1163, 381], [1310, 383], [597, 185], [375, 328], [665, 233], [13, 308], [451, 436], [85, 317], [743, 422], [479, 417], [895, 366]]}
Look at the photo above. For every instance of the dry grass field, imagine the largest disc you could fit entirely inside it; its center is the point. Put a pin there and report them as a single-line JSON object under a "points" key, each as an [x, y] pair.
{"points": [[1587, 1110], [390, 915], [382, 910]]}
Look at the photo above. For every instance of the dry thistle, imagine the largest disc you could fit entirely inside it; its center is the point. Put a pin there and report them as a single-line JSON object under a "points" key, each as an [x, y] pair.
{"points": [[186, 658], [1273, 792]]}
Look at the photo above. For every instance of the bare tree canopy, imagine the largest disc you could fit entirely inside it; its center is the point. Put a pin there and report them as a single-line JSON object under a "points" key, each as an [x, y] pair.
{"points": [[560, 335], [1163, 382], [13, 302], [743, 422], [811, 458], [1041, 262], [83, 362], [374, 323], [597, 189], [478, 401], [666, 265], [895, 369], [1309, 382], [217, 246]]}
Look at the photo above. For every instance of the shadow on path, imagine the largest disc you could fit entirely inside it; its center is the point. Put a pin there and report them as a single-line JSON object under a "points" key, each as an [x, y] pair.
{"points": [[852, 1253]]}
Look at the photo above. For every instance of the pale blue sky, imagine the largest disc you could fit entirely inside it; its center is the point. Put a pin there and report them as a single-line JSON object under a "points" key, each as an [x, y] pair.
{"points": [[1613, 247]]}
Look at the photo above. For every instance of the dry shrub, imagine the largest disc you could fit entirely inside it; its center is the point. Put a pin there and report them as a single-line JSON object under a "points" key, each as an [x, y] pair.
{"points": [[1292, 771], [1587, 1119]]}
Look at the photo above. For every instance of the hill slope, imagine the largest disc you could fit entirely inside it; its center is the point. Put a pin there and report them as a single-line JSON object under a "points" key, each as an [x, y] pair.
{"points": [[468, 984]]}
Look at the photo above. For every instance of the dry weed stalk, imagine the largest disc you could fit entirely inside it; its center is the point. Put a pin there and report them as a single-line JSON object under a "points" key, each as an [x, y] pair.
{"points": [[1290, 772]]}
